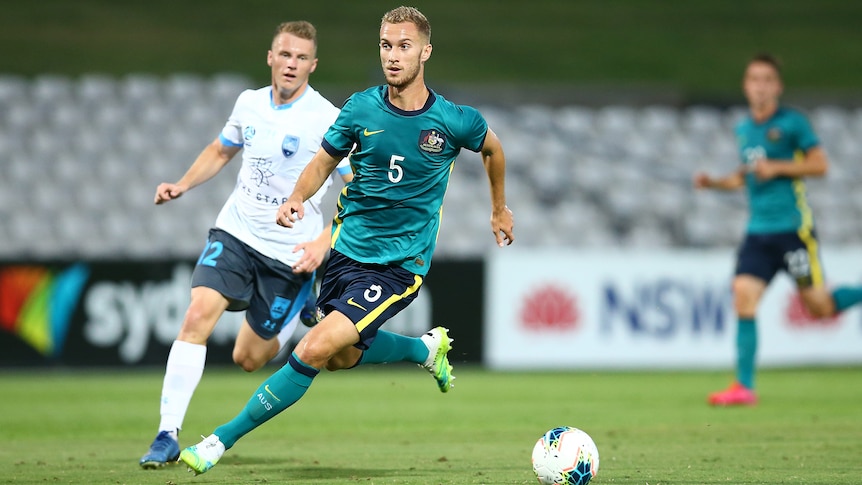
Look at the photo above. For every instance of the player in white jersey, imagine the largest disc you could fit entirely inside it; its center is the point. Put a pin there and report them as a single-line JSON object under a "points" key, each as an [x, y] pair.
{"points": [[249, 262]]}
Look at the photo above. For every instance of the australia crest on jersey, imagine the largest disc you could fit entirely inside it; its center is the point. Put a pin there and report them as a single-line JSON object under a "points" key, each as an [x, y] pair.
{"points": [[432, 141], [289, 146], [774, 134]]}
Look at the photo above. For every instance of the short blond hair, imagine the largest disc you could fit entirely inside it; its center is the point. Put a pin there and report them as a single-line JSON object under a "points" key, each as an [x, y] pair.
{"points": [[300, 28], [409, 14]]}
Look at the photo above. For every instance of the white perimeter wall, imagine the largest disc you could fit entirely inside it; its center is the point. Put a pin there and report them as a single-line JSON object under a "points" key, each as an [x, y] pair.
{"points": [[659, 309]]}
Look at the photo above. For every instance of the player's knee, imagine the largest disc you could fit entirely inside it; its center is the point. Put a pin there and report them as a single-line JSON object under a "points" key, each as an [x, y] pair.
{"points": [[818, 302], [744, 304], [745, 298], [819, 309], [315, 353], [246, 361], [195, 327]]}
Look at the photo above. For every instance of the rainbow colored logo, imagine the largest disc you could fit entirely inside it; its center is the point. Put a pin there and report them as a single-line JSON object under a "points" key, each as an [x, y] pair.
{"points": [[37, 304]]}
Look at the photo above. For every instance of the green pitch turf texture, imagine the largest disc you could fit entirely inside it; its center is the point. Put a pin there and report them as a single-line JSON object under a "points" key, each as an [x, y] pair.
{"points": [[390, 425]]}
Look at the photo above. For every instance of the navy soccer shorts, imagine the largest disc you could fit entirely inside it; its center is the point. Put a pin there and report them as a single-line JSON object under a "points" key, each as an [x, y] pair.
{"points": [[763, 255], [368, 294], [270, 292]]}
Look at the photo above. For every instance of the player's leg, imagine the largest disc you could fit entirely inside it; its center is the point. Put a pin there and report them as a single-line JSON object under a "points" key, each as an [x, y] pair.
{"points": [[279, 391], [273, 312], [805, 267], [430, 351], [359, 299], [757, 263], [379, 299], [183, 371], [215, 288], [748, 291], [251, 351]]}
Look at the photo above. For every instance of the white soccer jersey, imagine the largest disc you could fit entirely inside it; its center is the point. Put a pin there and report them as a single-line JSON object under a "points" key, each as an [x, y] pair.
{"points": [[277, 143]]}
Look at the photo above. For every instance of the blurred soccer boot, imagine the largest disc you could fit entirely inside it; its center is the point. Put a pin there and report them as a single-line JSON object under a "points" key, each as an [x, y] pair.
{"points": [[163, 450], [735, 395], [204, 455], [309, 315], [439, 344]]}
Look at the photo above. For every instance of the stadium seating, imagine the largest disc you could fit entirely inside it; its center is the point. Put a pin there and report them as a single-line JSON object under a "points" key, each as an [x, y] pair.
{"points": [[82, 157]]}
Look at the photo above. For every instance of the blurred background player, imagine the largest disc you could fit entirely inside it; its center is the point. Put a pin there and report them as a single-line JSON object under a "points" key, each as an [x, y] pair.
{"points": [[778, 148], [407, 138], [249, 263]]}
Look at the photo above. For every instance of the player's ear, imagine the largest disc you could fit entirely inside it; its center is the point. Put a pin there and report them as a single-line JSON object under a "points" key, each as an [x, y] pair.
{"points": [[313, 66], [269, 58], [426, 53]]}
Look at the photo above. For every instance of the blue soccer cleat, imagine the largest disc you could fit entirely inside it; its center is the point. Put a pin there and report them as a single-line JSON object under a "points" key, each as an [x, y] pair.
{"points": [[163, 450]]}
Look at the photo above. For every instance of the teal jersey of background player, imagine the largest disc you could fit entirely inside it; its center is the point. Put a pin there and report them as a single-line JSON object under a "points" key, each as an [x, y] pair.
{"points": [[390, 213], [779, 204]]}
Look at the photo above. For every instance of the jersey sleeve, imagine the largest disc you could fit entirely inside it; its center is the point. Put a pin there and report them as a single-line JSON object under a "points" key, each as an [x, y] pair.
{"points": [[339, 139], [231, 134], [806, 139], [474, 128]]}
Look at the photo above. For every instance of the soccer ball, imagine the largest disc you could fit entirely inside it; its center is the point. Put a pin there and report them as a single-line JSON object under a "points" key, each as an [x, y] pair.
{"points": [[565, 456]]}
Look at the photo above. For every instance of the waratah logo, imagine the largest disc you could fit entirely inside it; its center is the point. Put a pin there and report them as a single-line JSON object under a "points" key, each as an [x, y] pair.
{"points": [[550, 308]]}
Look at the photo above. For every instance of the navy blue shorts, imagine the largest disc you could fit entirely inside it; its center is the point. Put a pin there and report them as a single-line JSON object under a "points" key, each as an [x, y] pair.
{"points": [[763, 255], [368, 294], [270, 292]]}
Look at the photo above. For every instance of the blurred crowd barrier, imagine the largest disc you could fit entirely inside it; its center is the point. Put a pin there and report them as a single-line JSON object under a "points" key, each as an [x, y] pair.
{"points": [[81, 158]]}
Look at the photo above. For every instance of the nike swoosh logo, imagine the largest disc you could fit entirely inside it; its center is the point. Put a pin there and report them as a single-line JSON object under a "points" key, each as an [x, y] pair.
{"points": [[266, 388], [357, 305], [369, 133]]}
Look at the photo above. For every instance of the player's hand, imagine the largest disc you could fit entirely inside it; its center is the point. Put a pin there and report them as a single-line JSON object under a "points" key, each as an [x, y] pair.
{"points": [[166, 192], [312, 256], [503, 225], [290, 212], [764, 169], [701, 180]]}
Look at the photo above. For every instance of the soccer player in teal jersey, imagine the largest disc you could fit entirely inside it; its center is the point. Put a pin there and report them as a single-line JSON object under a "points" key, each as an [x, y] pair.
{"points": [[405, 139], [778, 149]]}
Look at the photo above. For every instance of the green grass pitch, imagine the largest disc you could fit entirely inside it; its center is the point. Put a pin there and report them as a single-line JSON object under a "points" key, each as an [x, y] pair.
{"points": [[390, 425]]}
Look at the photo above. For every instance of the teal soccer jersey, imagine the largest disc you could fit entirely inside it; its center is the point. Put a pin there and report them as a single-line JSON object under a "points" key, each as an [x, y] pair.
{"points": [[779, 204], [390, 213]]}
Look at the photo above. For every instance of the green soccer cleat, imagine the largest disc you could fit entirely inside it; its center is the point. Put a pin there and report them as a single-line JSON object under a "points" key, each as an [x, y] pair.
{"points": [[439, 344], [204, 455]]}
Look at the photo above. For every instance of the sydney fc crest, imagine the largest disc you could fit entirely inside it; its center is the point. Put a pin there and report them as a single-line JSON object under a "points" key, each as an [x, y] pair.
{"points": [[279, 308], [432, 141], [289, 146]]}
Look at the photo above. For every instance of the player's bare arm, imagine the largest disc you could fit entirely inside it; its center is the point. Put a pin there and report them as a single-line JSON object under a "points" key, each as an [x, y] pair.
{"points": [[310, 180], [814, 164], [210, 161], [732, 181], [502, 220]]}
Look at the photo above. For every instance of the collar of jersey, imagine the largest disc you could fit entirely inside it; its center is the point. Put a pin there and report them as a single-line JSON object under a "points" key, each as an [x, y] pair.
{"points": [[397, 110], [288, 105], [773, 117]]}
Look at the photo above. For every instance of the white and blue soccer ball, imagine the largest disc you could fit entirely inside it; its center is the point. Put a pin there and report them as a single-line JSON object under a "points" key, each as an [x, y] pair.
{"points": [[565, 456]]}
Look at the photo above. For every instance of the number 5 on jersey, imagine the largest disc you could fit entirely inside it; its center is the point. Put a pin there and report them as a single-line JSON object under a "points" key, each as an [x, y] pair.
{"points": [[393, 166]]}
